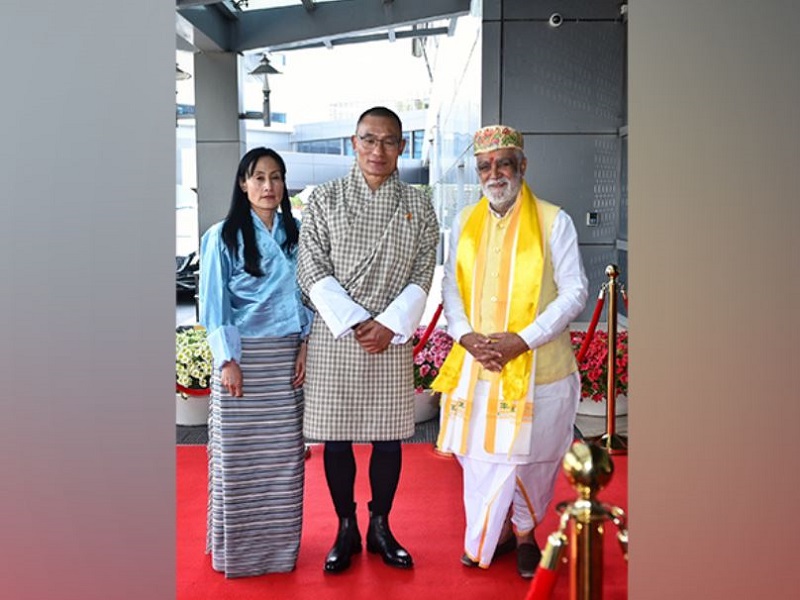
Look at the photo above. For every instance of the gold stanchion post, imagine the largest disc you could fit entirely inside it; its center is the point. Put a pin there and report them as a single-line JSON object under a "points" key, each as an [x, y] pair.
{"points": [[589, 468], [612, 442]]}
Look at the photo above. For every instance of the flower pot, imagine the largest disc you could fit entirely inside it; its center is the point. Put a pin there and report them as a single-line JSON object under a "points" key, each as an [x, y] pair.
{"points": [[426, 406], [191, 410], [590, 408]]}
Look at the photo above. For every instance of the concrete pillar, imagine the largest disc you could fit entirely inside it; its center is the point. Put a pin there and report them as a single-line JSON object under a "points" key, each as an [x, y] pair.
{"points": [[220, 133]]}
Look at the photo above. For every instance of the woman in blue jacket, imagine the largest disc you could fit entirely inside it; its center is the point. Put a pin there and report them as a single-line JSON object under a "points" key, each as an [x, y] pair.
{"points": [[251, 307]]}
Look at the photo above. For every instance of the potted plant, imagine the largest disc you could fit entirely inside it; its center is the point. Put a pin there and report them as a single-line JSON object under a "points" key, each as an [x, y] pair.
{"points": [[427, 362], [594, 370], [193, 368]]}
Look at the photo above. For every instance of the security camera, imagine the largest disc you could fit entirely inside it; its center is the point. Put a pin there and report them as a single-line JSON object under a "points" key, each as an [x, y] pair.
{"points": [[555, 20]]}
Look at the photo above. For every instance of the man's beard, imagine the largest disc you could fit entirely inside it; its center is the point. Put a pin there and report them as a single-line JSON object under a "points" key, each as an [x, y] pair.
{"points": [[500, 199]]}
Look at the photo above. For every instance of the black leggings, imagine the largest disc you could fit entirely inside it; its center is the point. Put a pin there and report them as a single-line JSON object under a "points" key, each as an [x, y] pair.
{"points": [[384, 475]]}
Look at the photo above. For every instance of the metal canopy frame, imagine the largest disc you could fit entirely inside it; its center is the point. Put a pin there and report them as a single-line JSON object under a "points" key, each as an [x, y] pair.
{"points": [[221, 26]]}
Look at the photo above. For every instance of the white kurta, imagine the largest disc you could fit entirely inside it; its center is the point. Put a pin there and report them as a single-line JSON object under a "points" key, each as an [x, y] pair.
{"points": [[550, 414], [493, 482]]}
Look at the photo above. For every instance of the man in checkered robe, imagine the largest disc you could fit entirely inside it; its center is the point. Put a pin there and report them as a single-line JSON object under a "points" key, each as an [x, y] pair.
{"points": [[366, 261]]}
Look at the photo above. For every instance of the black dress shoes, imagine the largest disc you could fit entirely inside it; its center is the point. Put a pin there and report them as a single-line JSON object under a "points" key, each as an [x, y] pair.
{"points": [[348, 542], [467, 561], [504, 547], [528, 557], [381, 541], [507, 545]]}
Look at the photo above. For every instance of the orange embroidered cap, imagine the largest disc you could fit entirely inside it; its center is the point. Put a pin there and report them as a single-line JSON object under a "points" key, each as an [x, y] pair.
{"points": [[495, 137]]}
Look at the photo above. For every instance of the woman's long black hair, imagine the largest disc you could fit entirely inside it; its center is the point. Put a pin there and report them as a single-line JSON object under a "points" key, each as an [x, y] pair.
{"points": [[240, 219]]}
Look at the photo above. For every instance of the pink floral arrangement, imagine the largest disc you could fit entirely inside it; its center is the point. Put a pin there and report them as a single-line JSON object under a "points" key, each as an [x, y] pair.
{"points": [[428, 361], [594, 368]]}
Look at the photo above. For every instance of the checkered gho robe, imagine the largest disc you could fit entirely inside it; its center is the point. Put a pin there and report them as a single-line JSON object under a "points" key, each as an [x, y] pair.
{"points": [[374, 245]]}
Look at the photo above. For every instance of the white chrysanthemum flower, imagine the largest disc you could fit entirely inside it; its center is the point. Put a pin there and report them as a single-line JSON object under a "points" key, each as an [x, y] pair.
{"points": [[193, 358]]}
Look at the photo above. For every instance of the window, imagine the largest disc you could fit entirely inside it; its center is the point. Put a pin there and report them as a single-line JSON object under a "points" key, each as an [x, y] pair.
{"points": [[343, 146], [414, 140], [321, 146], [407, 150], [418, 137]]}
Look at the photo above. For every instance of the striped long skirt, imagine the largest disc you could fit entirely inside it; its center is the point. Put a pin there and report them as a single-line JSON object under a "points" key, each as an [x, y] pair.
{"points": [[256, 464]]}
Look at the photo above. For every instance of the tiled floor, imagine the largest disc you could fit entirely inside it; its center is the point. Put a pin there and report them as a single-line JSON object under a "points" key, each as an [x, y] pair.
{"points": [[596, 426]]}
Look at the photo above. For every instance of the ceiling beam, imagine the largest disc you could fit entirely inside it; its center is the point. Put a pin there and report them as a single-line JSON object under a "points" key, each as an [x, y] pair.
{"points": [[187, 3], [213, 23], [451, 28], [200, 35], [359, 39], [291, 24], [216, 28]]}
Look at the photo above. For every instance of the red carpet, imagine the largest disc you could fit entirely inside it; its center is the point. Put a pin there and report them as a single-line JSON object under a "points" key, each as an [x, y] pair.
{"points": [[427, 517]]}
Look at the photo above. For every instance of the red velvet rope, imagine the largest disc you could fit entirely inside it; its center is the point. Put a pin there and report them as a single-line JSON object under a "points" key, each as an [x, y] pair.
{"points": [[431, 326], [542, 585], [190, 391], [624, 298], [592, 326]]}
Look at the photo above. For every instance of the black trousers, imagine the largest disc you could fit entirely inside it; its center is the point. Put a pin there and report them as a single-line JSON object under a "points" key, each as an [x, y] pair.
{"points": [[384, 475]]}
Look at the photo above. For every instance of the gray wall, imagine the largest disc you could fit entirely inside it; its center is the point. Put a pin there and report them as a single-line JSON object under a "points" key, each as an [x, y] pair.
{"points": [[87, 195], [564, 89], [715, 253]]}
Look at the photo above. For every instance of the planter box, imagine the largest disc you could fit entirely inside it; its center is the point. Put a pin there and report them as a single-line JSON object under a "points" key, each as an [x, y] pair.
{"points": [[426, 406], [192, 410], [590, 408]]}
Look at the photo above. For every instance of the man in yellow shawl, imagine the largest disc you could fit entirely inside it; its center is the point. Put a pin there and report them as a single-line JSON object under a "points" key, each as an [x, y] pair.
{"points": [[510, 387]]}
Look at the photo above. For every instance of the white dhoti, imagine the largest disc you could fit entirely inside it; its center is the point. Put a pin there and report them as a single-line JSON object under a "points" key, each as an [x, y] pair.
{"points": [[494, 483]]}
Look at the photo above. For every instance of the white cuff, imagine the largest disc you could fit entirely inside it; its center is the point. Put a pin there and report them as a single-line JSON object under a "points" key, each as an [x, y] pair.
{"points": [[404, 313], [337, 309], [226, 344]]}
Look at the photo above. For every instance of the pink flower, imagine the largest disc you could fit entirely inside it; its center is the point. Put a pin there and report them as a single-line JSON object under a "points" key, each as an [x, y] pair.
{"points": [[430, 358], [594, 368]]}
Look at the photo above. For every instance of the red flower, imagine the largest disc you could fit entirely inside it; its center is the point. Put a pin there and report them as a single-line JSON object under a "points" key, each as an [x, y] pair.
{"points": [[594, 368], [430, 359]]}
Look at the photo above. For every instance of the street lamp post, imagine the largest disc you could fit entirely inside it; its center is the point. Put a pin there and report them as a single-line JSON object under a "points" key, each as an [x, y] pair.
{"points": [[265, 69]]}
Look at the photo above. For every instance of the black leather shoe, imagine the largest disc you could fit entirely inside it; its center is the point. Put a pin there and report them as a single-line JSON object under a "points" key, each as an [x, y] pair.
{"points": [[348, 542], [504, 547], [528, 557], [467, 561], [381, 541], [507, 545]]}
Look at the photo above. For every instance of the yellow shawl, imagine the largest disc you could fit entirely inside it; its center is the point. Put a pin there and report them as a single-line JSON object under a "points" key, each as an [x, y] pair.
{"points": [[523, 248]]}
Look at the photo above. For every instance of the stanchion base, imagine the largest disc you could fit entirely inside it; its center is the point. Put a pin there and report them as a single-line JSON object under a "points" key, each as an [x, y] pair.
{"points": [[614, 444]]}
